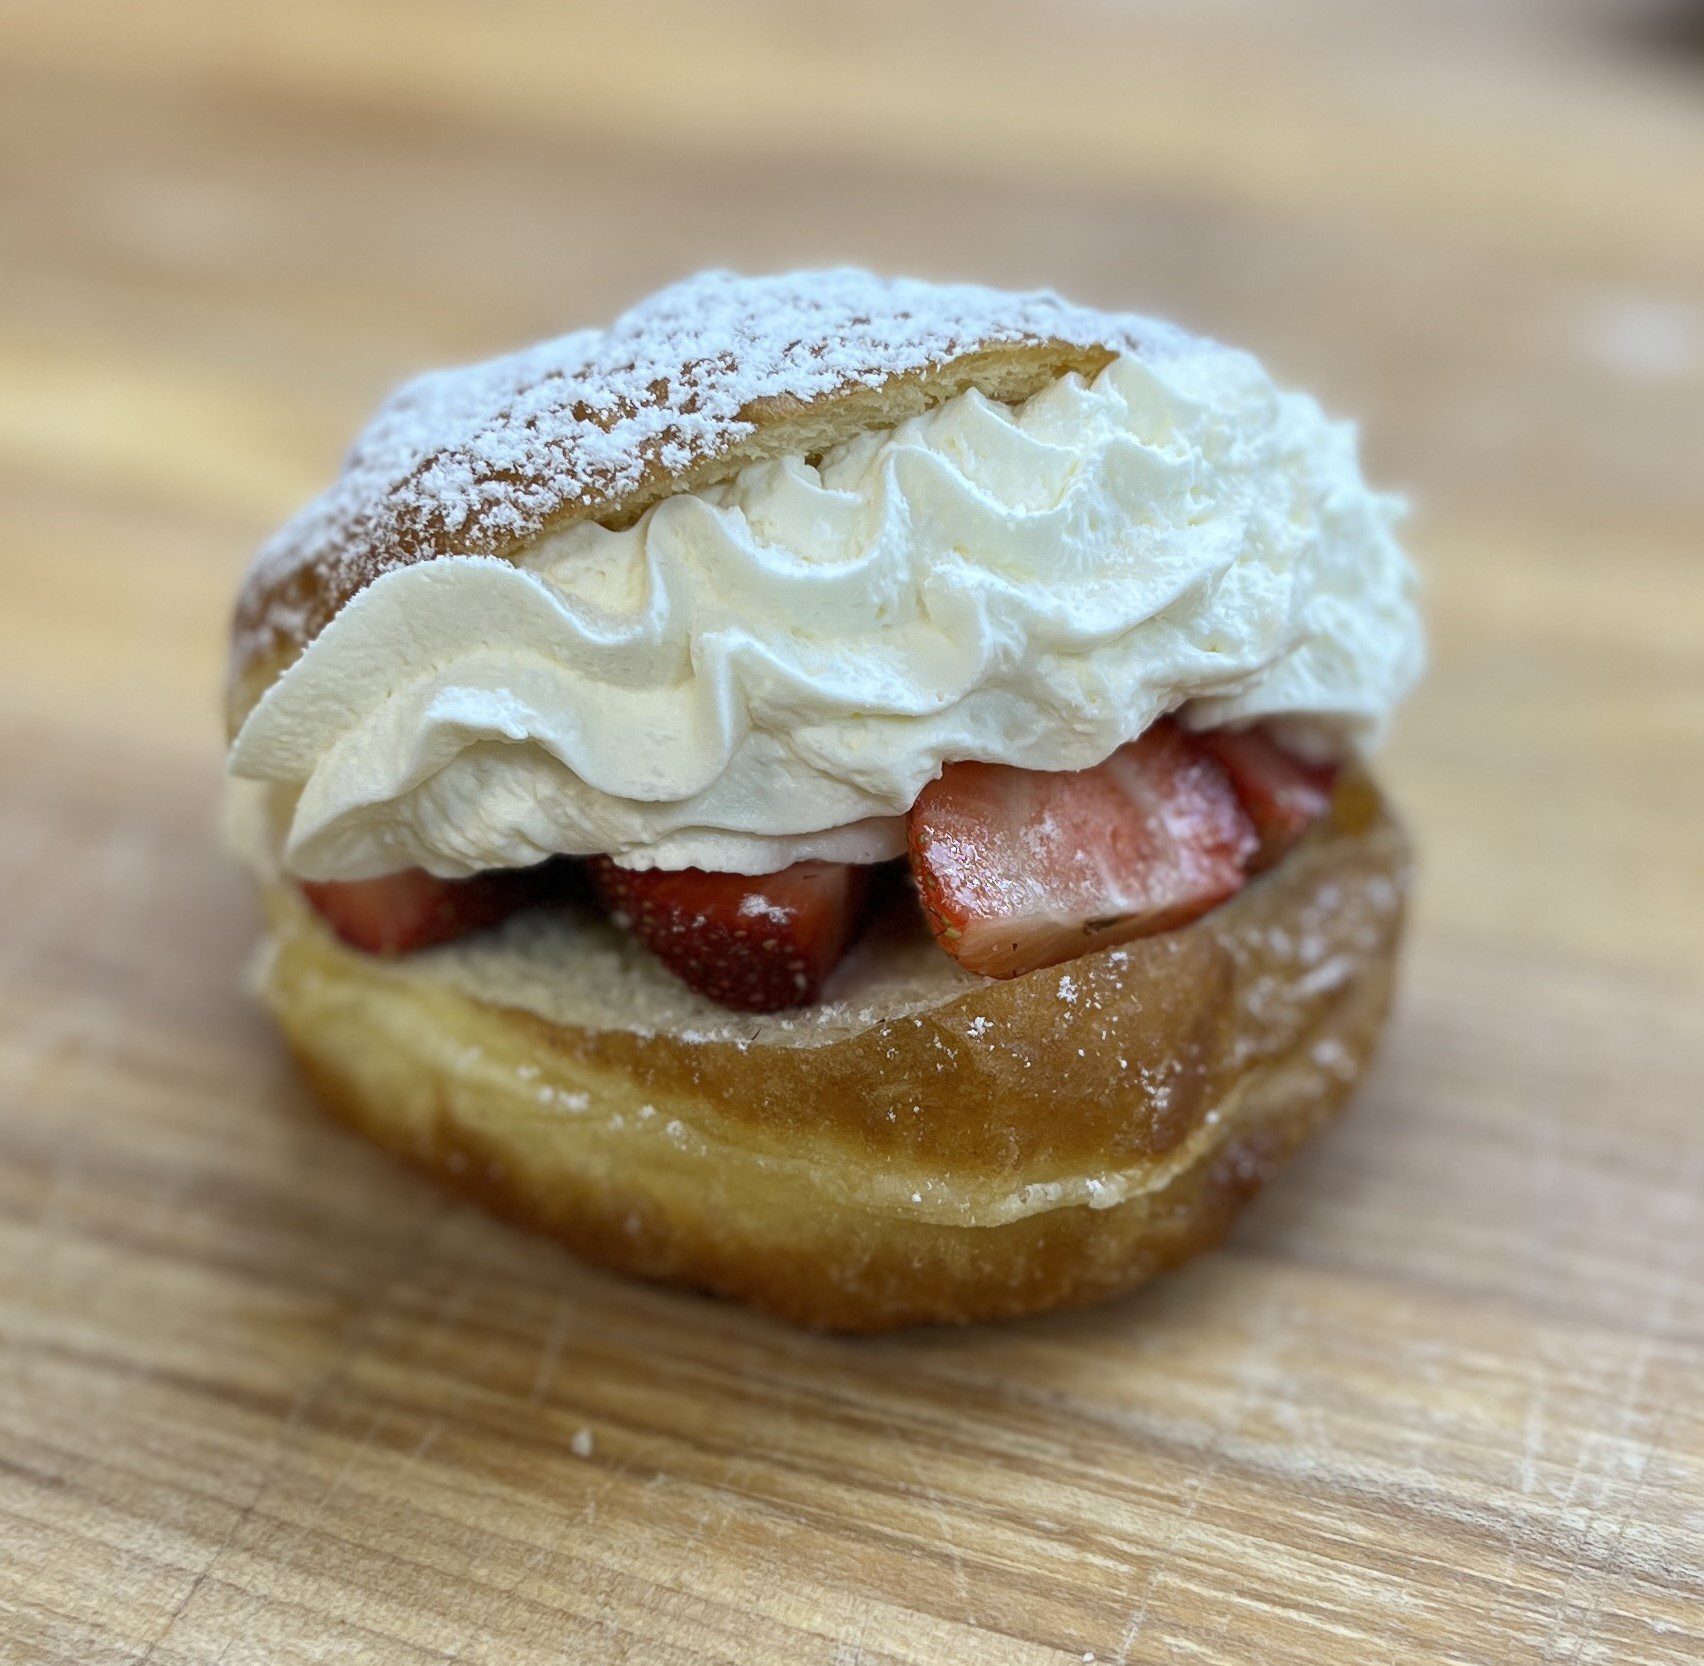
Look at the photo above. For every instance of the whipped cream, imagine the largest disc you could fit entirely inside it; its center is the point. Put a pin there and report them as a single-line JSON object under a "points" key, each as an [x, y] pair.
{"points": [[772, 669]]}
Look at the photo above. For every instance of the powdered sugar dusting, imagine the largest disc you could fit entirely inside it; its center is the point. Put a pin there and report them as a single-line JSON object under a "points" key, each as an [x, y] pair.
{"points": [[475, 460]]}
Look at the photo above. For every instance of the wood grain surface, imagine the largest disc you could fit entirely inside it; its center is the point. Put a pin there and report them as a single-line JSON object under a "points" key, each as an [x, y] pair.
{"points": [[265, 1398]]}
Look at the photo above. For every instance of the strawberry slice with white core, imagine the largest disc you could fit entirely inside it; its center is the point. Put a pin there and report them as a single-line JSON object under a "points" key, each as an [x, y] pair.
{"points": [[753, 942], [1022, 868], [414, 909], [1283, 795]]}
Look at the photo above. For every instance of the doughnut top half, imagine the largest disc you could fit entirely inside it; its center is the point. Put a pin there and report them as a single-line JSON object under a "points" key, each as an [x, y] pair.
{"points": [[688, 388]]}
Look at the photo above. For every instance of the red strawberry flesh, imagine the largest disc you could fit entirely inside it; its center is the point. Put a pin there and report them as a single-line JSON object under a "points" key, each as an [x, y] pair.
{"points": [[1019, 869], [1283, 795], [413, 910], [752, 942]]}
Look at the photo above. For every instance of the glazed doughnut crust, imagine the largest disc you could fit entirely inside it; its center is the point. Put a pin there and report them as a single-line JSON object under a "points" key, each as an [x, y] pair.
{"points": [[925, 1146]]}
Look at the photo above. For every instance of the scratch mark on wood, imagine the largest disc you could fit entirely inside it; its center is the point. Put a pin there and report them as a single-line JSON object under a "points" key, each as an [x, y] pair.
{"points": [[550, 1353], [1675, 1274], [955, 1557], [1254, 1379], [356, 1333]]}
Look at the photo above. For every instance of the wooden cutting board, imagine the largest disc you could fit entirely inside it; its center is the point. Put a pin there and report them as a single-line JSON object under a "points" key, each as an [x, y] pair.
{"points": [[265, 1398]]}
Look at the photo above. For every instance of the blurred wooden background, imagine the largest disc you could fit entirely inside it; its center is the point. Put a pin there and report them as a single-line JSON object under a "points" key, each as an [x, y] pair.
{"points": [[264, 1398]]}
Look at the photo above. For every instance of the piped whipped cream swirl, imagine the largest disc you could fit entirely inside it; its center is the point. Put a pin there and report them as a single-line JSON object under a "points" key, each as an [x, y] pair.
{"points": [[773, 668]]}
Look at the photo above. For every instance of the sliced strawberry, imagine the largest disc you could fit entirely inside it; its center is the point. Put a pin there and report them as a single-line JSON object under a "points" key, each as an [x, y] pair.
{"points": [[1023, 868], [414, 909], [753, 942], [1283, 795]]}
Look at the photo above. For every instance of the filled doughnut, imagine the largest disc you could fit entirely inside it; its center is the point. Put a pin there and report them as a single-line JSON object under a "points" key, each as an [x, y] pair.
{"points": [[849, 794]]}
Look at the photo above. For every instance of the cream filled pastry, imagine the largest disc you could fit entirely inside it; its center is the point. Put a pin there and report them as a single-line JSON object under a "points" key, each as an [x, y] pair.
{"points": [[847, 793]]}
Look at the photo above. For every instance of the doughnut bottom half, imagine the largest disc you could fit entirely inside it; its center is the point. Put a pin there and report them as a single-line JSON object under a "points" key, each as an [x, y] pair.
{"points": [[925, 1146]]}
